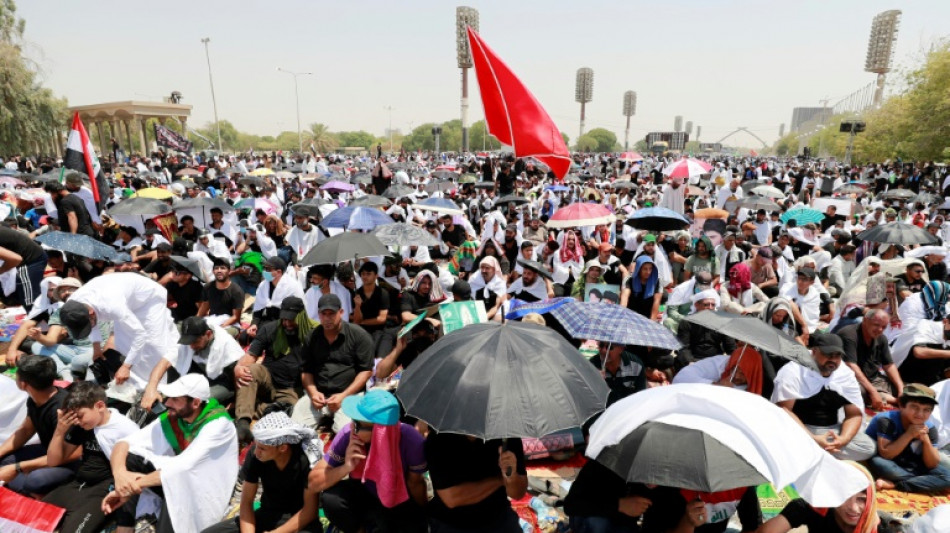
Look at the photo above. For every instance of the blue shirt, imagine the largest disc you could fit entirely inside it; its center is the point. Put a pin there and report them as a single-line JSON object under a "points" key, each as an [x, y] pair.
{"points": [[889, 426]]}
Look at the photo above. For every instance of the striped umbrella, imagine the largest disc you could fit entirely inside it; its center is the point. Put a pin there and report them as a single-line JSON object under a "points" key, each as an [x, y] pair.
{"points": [[687, 168], [520, 308], [615, 324]]}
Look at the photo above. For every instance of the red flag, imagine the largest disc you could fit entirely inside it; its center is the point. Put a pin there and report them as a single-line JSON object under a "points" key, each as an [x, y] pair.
{"points": [[513, 114], [81, 156], [19, 514]]}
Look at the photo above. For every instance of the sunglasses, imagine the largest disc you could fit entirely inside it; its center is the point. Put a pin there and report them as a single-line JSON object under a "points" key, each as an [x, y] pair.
{"points": [[918, 271]]}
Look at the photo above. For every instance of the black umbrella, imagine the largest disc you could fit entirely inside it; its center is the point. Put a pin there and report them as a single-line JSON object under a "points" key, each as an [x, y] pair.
{"points": [[371, 200], [897, 233], [190, 265], [535, 266], [898, 194], [511, 199], [657, 219], [402, 234], [928, 198], [623, 184], [756, 333], [344, 247], [140, 206], [673, 456], [440, 185], [309, 207], [76, 244], [446, 175], [485, 185], [206, 203], [759, 202], [398, 191], [256, 181], [495, 381]]}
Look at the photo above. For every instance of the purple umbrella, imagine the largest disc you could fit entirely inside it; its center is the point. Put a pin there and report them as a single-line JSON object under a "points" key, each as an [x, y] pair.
{"points": [[337, 186]]}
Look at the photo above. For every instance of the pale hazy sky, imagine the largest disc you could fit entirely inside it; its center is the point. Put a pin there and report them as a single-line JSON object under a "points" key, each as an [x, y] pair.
{"points": [[721, 64]]}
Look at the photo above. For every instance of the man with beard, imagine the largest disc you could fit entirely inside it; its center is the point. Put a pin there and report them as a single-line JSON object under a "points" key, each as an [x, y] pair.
{"points": [[162, 264], [303, 236], [196, 486], [221, 301], [534, 283], [511, 245], [813, 398]]}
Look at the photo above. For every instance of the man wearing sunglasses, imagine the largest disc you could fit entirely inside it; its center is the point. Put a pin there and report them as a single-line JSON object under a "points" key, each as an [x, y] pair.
{"points": [[911, 281]]}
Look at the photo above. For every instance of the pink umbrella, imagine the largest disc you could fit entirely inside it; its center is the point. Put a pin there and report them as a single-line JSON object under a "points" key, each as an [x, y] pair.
{"points": [[687, 168], [580, 214], [631, 157], [337, 186]]}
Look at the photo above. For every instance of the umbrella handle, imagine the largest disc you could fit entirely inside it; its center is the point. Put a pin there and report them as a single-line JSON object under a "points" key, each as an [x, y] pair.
{"points": [[736, 368], [504, 448]]}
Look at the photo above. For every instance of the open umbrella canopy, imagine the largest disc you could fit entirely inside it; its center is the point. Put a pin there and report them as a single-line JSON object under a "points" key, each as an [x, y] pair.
{"points": [[511, 199], [191, 265], [402, 234], [803, 215], [768, 191], [398, 191], [612, 323], [256, 203], [631, 157], [756, 333], [468, 178], [657, 219], [371, 200], [261, 172], [337, 186], [356, 217], [495, 381], [203, 202], [309, 207], [344, 247], [897, 233], [253, 179], [441, 185], [443, 175], [77, 244], [439, 205], [140, 206], [686, 167], [520, 308], [724, 439], [852, 188], [897, 194], [153, 192], [188, 171], [758, 202], [10, 181], [580, 214]]}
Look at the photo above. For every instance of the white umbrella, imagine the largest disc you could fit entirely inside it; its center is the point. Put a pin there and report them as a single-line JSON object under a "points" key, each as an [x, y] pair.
{"points": [[769, 192], [762, 434], [687, 168]]}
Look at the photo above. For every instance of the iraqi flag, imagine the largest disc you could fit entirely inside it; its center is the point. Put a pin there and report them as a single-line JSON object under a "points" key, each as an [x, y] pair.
{"points": [[81, 157], [19, 514]]}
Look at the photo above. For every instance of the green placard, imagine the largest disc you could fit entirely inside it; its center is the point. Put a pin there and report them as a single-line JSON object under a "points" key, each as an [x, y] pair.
{"points": [[771, 501], [457, 315]]}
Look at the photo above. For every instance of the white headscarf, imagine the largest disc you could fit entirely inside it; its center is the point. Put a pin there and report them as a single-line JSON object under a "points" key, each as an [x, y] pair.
{"points": [[708, 294], [43, 304], [495, 285]]}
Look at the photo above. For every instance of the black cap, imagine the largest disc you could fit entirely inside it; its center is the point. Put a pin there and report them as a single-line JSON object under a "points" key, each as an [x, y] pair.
{"points": [[276, 263], [192, 328], [75, 317], [461, 290], [290, 308], [827, 343], [808, 272], [329, 302]]}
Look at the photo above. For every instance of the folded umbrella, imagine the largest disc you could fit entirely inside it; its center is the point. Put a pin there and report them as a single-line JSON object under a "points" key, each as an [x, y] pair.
{"points": [[756, 333], [897, 233], [657, 219], [612, 323], [708, 438], [402, 234], [344, 247], [82, 245], [495, 381]]}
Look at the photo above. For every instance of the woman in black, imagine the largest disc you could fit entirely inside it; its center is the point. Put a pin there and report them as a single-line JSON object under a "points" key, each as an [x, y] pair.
{"points": [[641, 292]]}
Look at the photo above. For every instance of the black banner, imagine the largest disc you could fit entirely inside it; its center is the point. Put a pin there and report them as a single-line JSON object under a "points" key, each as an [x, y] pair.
{"points": [[170, 139]]}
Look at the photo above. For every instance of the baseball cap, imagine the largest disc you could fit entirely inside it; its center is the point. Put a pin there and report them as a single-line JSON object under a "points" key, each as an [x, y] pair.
{"points": [[75, 316], [191, 385], [807, 272], [649, 238], [192, 328], [919, 391], [291, 307], [329, 302], [376, 406], [828, 343], [276, 263]]}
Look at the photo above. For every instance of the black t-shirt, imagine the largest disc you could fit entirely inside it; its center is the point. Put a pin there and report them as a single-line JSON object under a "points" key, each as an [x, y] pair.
{"points": [[926, 371], [821, 409], [506, 183], [44, 416], [903, 284], [413, 302], [186, 297], [95, 466], [871, 359], [638, 302], [455, 236], [74, 204], [456, 459], [372, 305], [283, 489], [335, 366], [284, 368], [21, 243], [159, 268], [411, 352], [222, 301]]}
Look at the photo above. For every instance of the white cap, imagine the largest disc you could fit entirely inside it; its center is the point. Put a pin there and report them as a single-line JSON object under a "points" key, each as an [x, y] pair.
{"points": [[192, 385]]}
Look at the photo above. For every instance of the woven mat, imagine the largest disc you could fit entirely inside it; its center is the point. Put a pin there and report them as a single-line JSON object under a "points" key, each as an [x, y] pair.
{"points": [[897, 502]]}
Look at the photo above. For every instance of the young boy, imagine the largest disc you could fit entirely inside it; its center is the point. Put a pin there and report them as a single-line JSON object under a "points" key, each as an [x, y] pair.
{"points": [[906, 456], [85, 421]]}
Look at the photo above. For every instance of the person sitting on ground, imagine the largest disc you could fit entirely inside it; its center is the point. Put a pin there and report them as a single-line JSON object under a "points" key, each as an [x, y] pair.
{"points": [[624, 372], [601, 501], [858, 514], [407, 350], [85, 424], [813, 398], [700, 342], [743, 370], [270, 370], [534, 284], [371, 306], [641, 291], [488, 285], [868, 353], [184, 292], [384, 461], [680, 303], [273, 290], [188, 457], [911, 281], [24, 467], [222, 300], [592, 275], [806, 296], [280, 463], [202, 349], [907, 457], [337, 363], [739, 295], [31, 327]]}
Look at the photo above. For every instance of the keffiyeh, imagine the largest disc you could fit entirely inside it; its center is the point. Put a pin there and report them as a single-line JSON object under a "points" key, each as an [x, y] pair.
{"points": [[277, 428]]}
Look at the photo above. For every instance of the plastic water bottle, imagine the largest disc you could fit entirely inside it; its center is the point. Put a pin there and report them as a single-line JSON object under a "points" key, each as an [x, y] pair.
{"points": [[547, 516], [525, 526]]}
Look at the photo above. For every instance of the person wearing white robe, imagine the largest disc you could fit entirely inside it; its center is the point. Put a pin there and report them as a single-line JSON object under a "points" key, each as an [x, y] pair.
{"points": [[674, 195], [196, 483], [303, 236]]}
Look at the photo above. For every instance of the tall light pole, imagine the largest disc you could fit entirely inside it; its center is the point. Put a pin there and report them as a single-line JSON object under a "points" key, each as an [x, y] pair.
{"points": [[584, 92], [390, 109], [214, 102], [297, 96], [881, 49], [464, 17], [629, 109]]}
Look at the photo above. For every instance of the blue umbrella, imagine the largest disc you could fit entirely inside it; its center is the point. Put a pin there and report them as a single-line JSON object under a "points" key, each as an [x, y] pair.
{"points": [[803, 215], [440, 205], [557, 188], [82, 245], [611, 323], [520, 308], [356, 217], [657, 219]]}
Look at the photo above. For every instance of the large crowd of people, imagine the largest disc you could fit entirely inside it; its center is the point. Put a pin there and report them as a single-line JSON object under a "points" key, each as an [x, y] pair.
{"points": [[177, 335]]}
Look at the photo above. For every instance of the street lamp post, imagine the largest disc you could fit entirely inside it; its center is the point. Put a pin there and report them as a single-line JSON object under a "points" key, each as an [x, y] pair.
{"points": [[214, 102], [464, 17], [297, 97]]}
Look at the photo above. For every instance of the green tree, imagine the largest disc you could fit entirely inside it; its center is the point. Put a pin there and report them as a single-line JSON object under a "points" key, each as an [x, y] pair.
{"points": [[320, 137], [787, 145], [606, 139], [29, 114], [352, 139], [479, 139], [641, 146], [567, 139], [587, 143]]}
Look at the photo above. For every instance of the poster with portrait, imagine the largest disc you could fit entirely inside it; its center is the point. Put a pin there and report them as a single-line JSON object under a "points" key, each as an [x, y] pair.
{"points": [[602, 292]]}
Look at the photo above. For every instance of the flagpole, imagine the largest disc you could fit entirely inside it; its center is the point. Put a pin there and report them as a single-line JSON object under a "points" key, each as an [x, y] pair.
{"points": [[214, 102]]}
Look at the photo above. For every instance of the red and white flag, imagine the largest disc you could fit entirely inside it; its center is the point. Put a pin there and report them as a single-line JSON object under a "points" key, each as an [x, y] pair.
{"points": [[19, 514], [81, 156]]}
